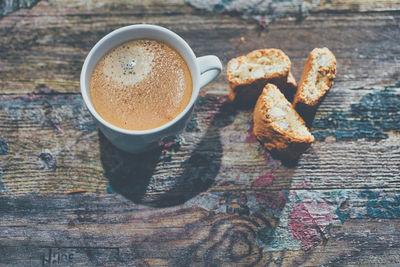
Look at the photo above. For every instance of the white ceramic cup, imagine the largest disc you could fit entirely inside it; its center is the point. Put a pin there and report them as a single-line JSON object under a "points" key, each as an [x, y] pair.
{"points": [[203, 69]]}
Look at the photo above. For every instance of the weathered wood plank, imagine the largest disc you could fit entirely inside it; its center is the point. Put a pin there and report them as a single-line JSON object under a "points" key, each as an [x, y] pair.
{"points": [[347, 228], [47, 45], [357, 139]]}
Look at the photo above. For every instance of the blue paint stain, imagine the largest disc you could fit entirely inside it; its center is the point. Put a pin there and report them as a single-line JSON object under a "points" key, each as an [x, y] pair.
{"points": [[203, 100], [360, 216], [109, 189], [49, 161], [8, 7], [82, 119], [192, 125], [3, 188], [3, 146], [49, 109], [286, 194], [342, 215], [266, 234], [220, 7], [88, 126], [381, 207], [370, 118]]}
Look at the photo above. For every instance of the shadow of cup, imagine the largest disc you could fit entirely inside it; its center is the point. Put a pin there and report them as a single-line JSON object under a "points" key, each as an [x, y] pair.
{"points": [[154, 179], [128, 174]]}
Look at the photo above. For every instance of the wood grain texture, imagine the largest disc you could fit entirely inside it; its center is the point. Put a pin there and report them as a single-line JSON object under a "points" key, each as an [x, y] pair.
{"points": [[49, 44], [210, 196], [217, 149], [108, 230]]}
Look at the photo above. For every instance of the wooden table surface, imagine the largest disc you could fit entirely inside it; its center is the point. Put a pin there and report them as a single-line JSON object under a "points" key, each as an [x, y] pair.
{"points": [[212, 196]]}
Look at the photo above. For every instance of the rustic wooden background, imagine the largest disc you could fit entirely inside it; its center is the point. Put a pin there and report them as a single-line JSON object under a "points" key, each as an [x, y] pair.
{"points": [[212, 196]]}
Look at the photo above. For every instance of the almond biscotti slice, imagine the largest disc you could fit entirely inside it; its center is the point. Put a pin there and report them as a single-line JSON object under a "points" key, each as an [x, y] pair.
{"points": [[278, 126], [247, 75], [316, 79]]}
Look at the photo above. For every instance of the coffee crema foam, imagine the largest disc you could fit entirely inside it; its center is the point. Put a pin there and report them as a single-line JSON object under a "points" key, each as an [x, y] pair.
{"points": [[140, 85]]}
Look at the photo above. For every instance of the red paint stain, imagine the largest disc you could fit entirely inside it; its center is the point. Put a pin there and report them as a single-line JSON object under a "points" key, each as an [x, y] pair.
{"points": [[169, 144], [225, 183], [251, 138], [57, 128], [202, 93], [222, 99], [310, 221], [267, 157], [213, 106], [273, 200], [243, 199], [264, 180], [263, 22], [269, 161]]}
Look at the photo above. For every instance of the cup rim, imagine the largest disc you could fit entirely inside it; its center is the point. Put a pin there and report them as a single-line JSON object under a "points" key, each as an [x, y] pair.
{"points": [[85, 91]]}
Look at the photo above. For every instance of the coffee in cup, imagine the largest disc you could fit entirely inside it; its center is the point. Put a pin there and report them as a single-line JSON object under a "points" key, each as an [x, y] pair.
{"points": [[140, 85]]}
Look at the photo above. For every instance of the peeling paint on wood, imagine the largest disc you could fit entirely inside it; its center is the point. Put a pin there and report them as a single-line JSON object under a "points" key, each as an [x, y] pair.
{"points": [[3, 188], [372, 117], [47, 160], [3, 146], [380, 206], [9, 6], [214, 221], [310, 221], [264, 12], [48, 110], [306, 216]]}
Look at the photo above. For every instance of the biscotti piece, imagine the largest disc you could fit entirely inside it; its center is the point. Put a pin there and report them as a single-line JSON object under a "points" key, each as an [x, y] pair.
{"points": [[317, 78], [247, 75], [278, 126]]}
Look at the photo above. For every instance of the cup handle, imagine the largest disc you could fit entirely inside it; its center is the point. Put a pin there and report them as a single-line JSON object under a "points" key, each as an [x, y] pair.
{"points": [[210, 67]]}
